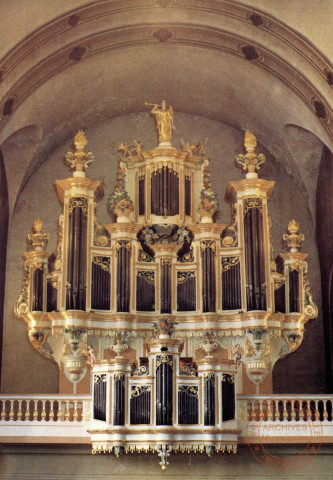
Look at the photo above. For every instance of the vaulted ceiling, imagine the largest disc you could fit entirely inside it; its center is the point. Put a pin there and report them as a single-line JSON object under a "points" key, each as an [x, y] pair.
{"points": [[253, 64]]}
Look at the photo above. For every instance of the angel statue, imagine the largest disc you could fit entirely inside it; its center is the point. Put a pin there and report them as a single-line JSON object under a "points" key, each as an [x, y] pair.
{"points": [[164, 121]]}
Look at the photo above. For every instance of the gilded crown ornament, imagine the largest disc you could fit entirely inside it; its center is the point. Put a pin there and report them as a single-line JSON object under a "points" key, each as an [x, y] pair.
{"points": [[250, 162], [79, 160], [293, 240], [38, 239]]}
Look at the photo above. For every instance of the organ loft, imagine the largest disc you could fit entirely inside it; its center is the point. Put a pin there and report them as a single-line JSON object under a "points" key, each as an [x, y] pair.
{"points": [[167, 313]]}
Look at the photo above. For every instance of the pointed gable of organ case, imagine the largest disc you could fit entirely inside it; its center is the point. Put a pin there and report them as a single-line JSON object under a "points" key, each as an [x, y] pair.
{"points": [[190, 311]]}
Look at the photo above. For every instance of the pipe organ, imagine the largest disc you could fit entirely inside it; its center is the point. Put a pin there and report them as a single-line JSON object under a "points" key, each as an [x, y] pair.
{"points": [[190, 311]]}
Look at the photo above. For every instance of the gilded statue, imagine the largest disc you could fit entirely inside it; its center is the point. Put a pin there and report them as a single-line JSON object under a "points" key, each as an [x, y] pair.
{"points": [[164, 121]]}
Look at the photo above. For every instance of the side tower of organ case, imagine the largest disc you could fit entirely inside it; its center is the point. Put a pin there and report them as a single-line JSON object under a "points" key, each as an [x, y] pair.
{"points": [[170, 312]]}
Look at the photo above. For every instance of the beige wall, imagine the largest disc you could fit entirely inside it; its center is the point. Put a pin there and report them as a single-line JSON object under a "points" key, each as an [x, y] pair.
{"points": [[77, 463]]}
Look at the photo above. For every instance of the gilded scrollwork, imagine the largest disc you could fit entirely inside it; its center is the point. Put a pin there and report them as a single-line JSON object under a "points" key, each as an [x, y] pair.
{"points": [[252, 202], [141, 370], [78, 202], [187, 368], [58, 252], [310, 308], [228, 378], [138, 390], [123, 244], [293, 340], [100, 378], [230, 234], [209, 377], [22, 304], [208, 244], [190, 390], [103, 262], [38, 339], [183, 277], [229, 262], [187, 257], [144, 256], [164, 358], [147, 275]]}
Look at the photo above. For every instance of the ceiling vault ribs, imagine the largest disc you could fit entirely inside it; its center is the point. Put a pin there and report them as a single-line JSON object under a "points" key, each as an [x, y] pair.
{"points": [[130, 36]]}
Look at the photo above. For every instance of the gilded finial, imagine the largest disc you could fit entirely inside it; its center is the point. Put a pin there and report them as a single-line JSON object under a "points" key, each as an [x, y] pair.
{"points": [[79, 160], [80, 139], [250, 140], [38, 239], [250, 162], [293, 240]]}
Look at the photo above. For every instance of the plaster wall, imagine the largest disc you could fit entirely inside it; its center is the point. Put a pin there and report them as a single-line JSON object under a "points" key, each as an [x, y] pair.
{"points": [[76, 463]]}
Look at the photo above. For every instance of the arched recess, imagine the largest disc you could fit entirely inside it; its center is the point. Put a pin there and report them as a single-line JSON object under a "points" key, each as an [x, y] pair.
{"points": [[18, 151], [306, 150], [325, 247], [4, 215]]}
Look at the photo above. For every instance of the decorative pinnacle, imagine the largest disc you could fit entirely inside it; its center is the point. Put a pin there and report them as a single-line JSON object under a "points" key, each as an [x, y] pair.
{"points": [[293, 240], [80, 139], [250, 162], [79, 160], [38, 239]]}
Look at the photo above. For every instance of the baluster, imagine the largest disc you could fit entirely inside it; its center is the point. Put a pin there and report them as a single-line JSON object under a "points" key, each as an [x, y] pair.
{"points": [[67, 413], [284, 410], [75, 414], [304, 409], [293, 404], [19, 411], [43, 414], [51, 412], [11, 411], [316, 413], [325, 413], [60, 411], [35, 414], [261, 411], [309, 410], [270, 407], [250, 410], [3, 411]]}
